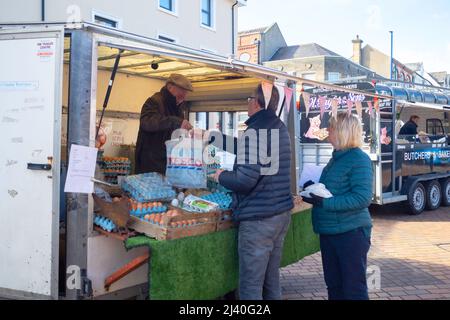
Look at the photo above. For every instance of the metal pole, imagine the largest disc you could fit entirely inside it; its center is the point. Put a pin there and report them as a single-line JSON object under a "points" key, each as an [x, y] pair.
{"points": [[42, 10], [392, 54], [108, 92], [82, 87]]}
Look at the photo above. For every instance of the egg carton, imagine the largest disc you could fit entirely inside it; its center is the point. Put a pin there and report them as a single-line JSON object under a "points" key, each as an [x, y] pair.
{"points": [[147, 210], [213, 186], [148, 187], [117, 167], [116, 172], [104, 223], [221, 198]]}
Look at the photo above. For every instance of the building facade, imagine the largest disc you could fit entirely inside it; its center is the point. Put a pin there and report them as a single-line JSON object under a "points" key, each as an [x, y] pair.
{"points": [[380, 62], [314, 62], [259, 45], [209, 25], [267, 46]]}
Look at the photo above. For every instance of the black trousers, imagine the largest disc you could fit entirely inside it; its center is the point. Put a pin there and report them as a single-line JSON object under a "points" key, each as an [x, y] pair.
{"points": [[344, 260]]}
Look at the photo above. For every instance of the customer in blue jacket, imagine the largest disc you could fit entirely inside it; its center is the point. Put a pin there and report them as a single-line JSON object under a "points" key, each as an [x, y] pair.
{"points": [[343, 221], [262, 198]]}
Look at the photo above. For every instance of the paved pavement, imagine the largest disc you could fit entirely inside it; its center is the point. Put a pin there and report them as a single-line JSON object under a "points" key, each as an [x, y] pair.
{"points": [[411, 253]]}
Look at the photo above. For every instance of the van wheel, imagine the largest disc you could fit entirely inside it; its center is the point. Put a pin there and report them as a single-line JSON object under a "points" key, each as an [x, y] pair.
{"points": [[434, 195], [417, 199], [445, 187]]}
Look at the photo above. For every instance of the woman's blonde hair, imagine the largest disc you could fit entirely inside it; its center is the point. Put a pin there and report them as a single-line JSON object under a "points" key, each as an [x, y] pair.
{"points": [[348, 131]]}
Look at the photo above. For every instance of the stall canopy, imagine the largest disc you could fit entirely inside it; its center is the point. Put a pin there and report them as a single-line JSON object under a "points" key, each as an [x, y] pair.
{"points": [[141, 53]]}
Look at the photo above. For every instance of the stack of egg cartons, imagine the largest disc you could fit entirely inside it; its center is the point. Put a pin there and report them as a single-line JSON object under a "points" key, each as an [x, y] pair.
{"points": [[148, 187]]}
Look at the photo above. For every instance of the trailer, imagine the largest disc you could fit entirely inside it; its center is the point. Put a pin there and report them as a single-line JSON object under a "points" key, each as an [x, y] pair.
{"points": [[413, 169]]}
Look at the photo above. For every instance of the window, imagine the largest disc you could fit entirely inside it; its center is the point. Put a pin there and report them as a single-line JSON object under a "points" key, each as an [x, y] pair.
{"points": [[167, 5], [106, 20], [435, 127], [334, 76], [206, 13], [165, 38]]}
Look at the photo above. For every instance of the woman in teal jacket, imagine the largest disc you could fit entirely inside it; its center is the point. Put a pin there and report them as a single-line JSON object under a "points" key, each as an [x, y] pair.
{"points": [[343, 221]]}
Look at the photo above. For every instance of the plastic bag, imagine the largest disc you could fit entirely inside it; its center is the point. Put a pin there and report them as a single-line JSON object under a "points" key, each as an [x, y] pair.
{"points": [[185, 166]]}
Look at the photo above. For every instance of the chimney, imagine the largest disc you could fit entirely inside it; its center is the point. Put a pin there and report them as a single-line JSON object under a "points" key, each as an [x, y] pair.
{"points": [[357, 46]]}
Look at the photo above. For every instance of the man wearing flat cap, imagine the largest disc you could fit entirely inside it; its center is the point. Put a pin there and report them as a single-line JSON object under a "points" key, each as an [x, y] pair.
{"points": [[161, 114]]}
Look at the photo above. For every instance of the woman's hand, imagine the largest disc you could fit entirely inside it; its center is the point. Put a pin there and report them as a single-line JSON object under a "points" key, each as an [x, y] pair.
{"points": [[315, 200]]}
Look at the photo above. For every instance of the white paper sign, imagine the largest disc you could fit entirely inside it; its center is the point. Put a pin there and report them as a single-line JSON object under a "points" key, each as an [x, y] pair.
{"points": [[310, 172], [82, 162]]}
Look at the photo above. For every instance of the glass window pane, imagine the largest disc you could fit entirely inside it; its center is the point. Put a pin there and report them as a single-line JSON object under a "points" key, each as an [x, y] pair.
{"points": [[206, 5], [206, 19], [166, 4], [105, 22]]}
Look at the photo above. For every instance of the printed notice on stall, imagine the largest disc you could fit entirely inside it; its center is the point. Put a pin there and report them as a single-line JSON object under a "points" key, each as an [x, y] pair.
{"points": [[82, 161]]}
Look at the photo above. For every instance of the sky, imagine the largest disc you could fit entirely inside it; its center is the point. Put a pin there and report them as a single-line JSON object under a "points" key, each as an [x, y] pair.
{"points": [[421, 28]]}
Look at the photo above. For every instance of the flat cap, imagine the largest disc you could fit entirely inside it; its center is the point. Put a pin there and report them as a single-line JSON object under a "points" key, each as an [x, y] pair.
{"points": [[180, 81]]}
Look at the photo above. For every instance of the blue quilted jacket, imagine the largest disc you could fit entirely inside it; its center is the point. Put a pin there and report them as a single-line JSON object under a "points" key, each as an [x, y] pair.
{"points": [[348, 176], [258, 196]]}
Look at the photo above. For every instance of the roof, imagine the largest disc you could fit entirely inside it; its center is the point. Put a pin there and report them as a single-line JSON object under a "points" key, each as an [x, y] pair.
{"points": [[439, 76], [302, 51], [252, 31], [257, 30], [416, 66]]}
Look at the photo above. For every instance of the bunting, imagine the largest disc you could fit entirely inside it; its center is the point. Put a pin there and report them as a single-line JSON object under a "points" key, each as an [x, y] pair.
{"points": [[267, 91], [334, 107], [358, 105], [306, 99], [349, 106], [282, 95], [288, 93]]}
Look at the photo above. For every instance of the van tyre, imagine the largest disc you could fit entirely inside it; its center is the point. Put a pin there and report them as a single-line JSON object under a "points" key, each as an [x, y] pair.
{"points": [[445, 187], [417, 199], [434, 195]]}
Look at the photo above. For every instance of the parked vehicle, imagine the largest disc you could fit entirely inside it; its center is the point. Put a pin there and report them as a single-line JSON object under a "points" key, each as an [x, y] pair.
{"points": [[413, 168]]}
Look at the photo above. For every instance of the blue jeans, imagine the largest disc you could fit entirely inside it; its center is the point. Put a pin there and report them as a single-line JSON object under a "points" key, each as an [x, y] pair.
{"points": [[260, 245], [344, 260]]}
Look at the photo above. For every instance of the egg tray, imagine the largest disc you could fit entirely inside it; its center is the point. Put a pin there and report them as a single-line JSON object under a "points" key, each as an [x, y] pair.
{"points": [[221, 198], [148, 187], [143, 211], [116, 173], [204, 223], [104, 223]]}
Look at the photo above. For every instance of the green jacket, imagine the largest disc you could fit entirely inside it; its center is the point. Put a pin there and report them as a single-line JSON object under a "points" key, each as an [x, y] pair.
{"points": [[348, 176]]}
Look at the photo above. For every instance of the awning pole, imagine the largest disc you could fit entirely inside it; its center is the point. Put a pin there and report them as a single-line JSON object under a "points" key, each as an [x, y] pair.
{"points": [[108, 91]]}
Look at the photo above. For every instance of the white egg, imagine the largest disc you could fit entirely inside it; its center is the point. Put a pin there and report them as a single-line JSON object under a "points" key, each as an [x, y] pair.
{"points": [[181, 196], [175, 202]]}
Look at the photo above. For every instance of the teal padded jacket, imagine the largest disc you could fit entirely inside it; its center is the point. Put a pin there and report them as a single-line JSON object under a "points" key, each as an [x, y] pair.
{"points": [[348, 176]]}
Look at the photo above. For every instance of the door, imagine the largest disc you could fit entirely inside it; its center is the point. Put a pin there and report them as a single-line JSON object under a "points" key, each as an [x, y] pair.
{"points": [[30, 112]]}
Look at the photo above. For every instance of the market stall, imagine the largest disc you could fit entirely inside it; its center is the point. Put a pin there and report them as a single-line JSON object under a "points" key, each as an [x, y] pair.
{"points": [[83, 248], [183, 250]]}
